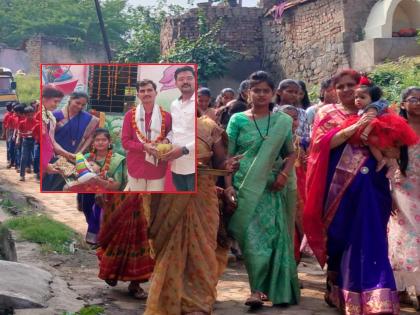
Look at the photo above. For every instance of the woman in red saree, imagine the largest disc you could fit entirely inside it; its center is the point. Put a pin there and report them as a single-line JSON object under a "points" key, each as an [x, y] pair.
{"points": [[347, 210], [124, 251]]}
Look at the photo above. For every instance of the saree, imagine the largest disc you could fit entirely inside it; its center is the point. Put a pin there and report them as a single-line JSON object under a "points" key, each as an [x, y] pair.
{"points": [[263, 222], [124, 251], [345, 219], [71, 135], [404, 227], [117, 171], [184, 236]]}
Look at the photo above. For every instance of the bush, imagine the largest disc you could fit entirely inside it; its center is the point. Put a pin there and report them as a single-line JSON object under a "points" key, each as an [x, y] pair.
{"points": [[394, 77], [28, 88]]}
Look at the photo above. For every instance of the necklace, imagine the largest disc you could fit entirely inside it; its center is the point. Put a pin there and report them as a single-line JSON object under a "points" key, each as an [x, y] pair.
{"points": [[73, 140], [268, 126]]}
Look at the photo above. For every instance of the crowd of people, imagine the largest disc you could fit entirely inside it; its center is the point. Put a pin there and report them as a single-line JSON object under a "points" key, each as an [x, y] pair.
{"points": [[278, 178], [151, 138], [21, 126]]}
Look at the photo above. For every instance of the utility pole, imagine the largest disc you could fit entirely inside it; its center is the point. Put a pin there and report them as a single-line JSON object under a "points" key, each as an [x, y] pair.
{"points": [[104, 36]]}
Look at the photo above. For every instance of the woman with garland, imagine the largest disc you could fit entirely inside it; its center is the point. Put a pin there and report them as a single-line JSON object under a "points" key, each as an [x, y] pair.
{"points": [[108, 165], [73, 133]]}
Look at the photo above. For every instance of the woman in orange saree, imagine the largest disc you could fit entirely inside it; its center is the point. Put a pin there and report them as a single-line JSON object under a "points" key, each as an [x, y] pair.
{"points": [[184, 237]]}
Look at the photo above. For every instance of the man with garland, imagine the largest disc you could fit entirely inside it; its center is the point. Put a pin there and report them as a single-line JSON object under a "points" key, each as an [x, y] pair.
{"points": [[144, 127]]}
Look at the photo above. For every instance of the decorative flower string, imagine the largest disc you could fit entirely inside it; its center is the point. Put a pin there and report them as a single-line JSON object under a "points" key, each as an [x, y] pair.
{"points": [[91, 68], [99, 81], [108, 91], [129, 79], [115, 79], [138, 132]]}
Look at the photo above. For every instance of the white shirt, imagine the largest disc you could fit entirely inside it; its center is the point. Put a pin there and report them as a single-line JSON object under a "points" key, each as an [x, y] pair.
{"points": [[183, 134]]}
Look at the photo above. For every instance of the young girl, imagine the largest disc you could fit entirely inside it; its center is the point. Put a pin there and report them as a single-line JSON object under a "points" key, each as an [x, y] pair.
{"points": [[386, 133], [404, 226]]}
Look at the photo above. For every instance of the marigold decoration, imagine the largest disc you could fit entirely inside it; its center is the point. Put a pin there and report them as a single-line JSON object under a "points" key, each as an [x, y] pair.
{"points": [[115, 79], [104, 169], [138, 132], [129, 79], [108, 91], [91, 68], [99, 82]]}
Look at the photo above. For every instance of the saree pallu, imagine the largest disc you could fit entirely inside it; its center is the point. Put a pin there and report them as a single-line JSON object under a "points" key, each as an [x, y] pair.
{"points": [[263, 222], [124, 252], [184, 237], [73, 133], [345, 218]]}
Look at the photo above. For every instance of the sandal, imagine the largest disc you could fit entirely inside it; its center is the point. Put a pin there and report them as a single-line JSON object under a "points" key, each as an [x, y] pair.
{"points": [[137, 292], [254, 300], [111, 282]]}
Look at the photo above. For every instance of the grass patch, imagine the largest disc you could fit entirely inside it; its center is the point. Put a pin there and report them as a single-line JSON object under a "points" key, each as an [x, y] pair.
{"points": [[28, 88], [88, 310], [50, 234]]}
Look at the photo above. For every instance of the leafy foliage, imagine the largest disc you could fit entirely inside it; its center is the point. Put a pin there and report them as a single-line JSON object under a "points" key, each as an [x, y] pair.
{"points": [[211, 56], [27, 88], [394, 77], [73, 20], [88, 310], [143, 40]]}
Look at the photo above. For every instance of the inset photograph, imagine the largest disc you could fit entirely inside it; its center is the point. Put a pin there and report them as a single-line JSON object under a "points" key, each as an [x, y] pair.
{"points": [[118, 128]]}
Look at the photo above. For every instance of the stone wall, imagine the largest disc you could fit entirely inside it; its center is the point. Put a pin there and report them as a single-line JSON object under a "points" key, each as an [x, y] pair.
{"points": [[241, 29], [40, 49], [307, 43]]}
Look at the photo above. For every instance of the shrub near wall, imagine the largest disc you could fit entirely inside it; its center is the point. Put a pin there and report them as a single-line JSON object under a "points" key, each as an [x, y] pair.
{"points": [[28, 88], [394, 77]]}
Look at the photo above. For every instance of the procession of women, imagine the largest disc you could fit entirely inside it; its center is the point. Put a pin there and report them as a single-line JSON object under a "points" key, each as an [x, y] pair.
{"points": [[276, 179]]}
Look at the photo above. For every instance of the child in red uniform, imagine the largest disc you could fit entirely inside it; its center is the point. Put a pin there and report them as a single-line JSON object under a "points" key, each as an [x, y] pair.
{"points": [[6, 131], [14, 124], [25, 133]]}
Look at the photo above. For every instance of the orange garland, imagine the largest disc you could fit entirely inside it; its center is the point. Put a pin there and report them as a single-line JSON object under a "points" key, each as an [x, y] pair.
{"points": [[115, 79], [108, 91], [138, 132], [99, 81], [105, 168]]}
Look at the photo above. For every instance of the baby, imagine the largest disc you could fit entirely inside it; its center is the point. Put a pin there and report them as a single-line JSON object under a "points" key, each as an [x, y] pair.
{"points": [[386, 133]]}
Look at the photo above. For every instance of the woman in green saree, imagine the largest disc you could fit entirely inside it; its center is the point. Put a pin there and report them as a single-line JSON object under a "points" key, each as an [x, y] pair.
{"points": [[263, 192]]}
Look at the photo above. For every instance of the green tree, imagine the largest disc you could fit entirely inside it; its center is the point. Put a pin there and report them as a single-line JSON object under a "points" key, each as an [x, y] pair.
{"points": [[143, 40], [74, 20], [210, 56]]}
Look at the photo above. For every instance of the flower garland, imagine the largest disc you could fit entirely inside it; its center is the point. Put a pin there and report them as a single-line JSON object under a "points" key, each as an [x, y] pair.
{"points": [[115, 79], [129, 79], [105, 168], [108, 91], [91, 68], [99, 82], [138, 132]]}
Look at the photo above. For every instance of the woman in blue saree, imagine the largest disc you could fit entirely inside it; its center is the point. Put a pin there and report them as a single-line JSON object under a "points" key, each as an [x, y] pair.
{"points": [[347, 210], [264, 216], [73, 133]]}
